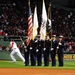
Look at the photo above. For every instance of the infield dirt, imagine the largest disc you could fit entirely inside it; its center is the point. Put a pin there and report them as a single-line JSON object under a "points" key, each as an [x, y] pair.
{"points": [[35, 71]]}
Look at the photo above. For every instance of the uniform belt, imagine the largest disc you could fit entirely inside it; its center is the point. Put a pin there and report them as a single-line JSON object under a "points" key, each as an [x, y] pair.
{"points": [[14, 48]]}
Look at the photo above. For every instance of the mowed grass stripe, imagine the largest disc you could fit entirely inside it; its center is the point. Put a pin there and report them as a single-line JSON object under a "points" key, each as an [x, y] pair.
{"points": [[20, 64]]}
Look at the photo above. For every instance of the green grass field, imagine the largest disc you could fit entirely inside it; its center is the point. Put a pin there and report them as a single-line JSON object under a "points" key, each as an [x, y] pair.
{"points": [[19, 64]]}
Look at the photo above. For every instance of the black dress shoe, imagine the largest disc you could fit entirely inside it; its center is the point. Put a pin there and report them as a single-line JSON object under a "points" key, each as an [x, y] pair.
{"points": [[46, 65], [26, 65], [60, 65]]}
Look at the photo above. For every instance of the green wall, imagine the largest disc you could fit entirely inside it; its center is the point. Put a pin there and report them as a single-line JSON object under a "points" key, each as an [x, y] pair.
{"points": [[5, 55]]}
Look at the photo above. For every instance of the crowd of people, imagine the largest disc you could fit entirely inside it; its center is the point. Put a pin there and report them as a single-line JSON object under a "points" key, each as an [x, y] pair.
{"points": [[15, 21], [13, 18], [63, 21]]}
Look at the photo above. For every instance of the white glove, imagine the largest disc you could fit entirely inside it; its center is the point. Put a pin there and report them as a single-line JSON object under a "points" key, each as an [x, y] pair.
{"points": [[25, 47], [51, 49], [23, 43], [60, 43], [44, 49], [35, 41], [39, 45], [30, 47], [37, 50], [57, 47]]}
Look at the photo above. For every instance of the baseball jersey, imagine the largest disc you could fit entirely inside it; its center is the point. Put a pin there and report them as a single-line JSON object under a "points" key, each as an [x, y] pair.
{"points": [[13, 45]]}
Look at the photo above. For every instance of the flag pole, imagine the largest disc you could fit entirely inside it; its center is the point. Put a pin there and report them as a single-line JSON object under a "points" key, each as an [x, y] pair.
{"points": [[29, 3], [32, 28], [49, 17], [28, 6], [49, 11], [29, 38], [51, 23], [46, 23]]}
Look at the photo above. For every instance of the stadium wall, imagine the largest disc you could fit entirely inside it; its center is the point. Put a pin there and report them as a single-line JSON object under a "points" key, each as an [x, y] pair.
{"points": [[5, 55]]}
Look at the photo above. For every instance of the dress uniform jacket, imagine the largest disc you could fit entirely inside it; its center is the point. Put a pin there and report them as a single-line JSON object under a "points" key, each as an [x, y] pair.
{"points": [[33, 52], [60, 53], [39, 52], [54, 44], [26, 55], [46, 52]]}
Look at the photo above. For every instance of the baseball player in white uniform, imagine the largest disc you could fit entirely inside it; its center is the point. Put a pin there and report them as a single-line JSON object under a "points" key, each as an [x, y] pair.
{"points": [[15, 50]]}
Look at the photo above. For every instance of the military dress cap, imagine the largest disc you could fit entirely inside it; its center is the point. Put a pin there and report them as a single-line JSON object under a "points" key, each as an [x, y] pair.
{"points": [[60, 36], [53, 35], [35, 39], [39, 36]]}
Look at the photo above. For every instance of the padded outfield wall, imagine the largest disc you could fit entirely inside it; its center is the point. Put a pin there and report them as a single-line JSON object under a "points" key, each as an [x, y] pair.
{"points": [[5, 55]]}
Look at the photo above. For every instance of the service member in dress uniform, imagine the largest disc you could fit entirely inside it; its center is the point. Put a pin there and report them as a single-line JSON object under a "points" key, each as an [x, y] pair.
{"points": [[54, 44], [26, 55], [60, 51], [33, 52], [46, 51], [39, 51], [26, 52]]}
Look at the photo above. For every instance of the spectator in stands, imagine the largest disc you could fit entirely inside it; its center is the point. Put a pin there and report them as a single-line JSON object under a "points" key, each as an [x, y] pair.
{"points": [[0, 48]]}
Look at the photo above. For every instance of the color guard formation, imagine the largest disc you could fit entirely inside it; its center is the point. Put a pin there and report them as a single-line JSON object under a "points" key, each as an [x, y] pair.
{"points": [[39, 51]]}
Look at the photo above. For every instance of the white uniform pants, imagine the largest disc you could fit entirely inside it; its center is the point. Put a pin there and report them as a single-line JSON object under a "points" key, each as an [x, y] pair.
{"points": [[16, 51]]}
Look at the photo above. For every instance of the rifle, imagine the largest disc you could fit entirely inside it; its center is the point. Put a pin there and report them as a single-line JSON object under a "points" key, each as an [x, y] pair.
{"points": [[23, 44]]}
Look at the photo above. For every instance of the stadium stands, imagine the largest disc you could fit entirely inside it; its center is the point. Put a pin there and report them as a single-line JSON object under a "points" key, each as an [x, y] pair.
{"points": [[14, 16]]}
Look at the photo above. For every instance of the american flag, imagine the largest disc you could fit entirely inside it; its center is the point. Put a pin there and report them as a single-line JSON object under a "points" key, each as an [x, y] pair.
{"points": [[29, 26]]}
